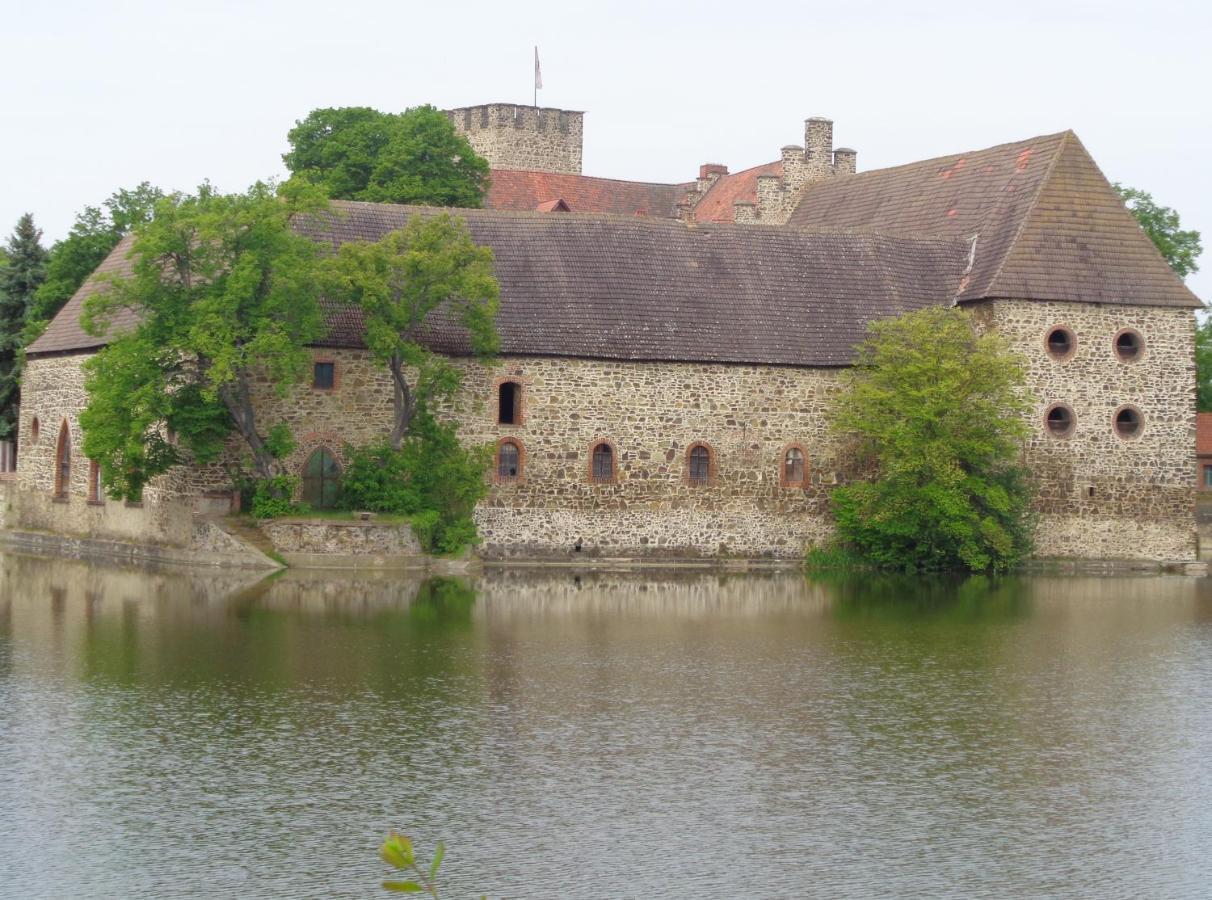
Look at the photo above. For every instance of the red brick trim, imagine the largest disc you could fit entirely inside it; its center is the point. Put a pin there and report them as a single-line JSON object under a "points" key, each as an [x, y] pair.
{"points": [[496, 462], [1065, 357], [614, 461], [1068, 432], [1140, 340], [519, 400], [711, 463], [783, 481], [336, 374], [1115, 427]]}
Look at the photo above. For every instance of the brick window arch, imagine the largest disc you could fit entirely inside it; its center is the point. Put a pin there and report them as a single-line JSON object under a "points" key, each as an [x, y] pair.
{"points": [[700, 464], [1060, 420], [1128, 422], [793, 466], [63, 462], [509, 402], [1060, 342], [321, 479], [1128, 345], [603, 462], [510, 461]]}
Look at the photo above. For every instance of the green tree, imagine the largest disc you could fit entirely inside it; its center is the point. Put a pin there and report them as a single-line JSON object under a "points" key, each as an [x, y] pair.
{"points": [[1179, 248], [934, 411], [90, 240], [20, 277], [1203, 365], [358, 153], [223, 295], [399, 282]]}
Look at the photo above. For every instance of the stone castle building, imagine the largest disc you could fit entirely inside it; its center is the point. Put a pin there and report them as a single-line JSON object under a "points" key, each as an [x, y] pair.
{"points": [[668, 351]]}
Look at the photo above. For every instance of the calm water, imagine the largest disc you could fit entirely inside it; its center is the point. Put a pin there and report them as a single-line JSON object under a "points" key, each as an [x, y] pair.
{"points": [[615, 735]]}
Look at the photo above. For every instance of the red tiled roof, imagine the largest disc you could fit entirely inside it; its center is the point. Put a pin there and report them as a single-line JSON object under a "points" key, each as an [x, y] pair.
{"points": [[1203, 434], [521, 190], [716, 205]]}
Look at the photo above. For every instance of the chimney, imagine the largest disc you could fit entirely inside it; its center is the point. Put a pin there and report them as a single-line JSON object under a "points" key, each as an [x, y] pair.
{"points": [[708, 173], [818, 142], [845, 161]]}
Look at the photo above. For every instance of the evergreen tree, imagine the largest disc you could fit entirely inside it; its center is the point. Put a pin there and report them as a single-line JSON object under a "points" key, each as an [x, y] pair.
{"points": [[19, 280]]}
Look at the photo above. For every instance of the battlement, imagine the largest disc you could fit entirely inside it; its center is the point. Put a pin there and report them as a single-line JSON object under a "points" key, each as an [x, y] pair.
{"points": [[511, 136]]}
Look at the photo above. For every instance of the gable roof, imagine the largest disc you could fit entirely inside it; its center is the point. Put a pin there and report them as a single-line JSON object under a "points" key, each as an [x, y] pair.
{"points": [[737, 187], [649, 289], [1048, 225], [522, 190]]}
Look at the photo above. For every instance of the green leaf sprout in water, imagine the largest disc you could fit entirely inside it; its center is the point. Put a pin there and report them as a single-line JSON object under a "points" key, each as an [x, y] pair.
{"points": [[397, 851]]}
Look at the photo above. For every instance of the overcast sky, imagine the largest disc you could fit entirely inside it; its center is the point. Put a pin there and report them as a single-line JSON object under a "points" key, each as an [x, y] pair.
{"points": [[102, 95]]}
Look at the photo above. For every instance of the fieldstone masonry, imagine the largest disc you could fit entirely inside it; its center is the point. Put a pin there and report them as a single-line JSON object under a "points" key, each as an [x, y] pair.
{"points": [[1101, 495], [537, 139]]}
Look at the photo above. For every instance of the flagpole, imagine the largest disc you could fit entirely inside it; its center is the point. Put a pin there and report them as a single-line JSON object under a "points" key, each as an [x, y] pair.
{"points": [[536, 76]]}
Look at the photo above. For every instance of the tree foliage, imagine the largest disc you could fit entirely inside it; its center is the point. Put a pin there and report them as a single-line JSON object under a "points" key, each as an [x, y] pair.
{"points": [[400, 282], [20, 277], [1180, 248], [416, 157], [934, 410], [1203, 365], [95, 233], [224, 295]]}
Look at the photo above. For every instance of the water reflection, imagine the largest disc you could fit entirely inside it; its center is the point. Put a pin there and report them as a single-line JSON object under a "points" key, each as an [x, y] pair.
{"points": [[568, 731]]}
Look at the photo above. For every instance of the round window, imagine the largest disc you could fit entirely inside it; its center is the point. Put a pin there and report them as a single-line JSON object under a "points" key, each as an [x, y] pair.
{"points": [[1129, 345], [1128, 422], [1060, 342], [1059, 420]]}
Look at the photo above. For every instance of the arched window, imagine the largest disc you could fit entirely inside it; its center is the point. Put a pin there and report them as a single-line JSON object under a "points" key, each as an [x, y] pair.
{"points": [[509, 403], [509, 461], [95, 493], [601, 463], [321, 479], [698, 464], [63, 462], [34, 429], [795, 468]]}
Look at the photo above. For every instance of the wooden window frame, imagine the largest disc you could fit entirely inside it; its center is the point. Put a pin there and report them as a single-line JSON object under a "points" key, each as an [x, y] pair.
{"points": [[519, 400], [520, 478], [696, 445], [784, 481], [336, 378], [63, 485], [614, 461]]}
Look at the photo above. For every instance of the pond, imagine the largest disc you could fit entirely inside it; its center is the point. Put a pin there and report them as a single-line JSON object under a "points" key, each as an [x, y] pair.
{"points": [[168, 733]]}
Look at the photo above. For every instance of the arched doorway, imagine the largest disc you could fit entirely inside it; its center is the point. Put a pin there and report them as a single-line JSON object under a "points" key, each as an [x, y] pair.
{"points": [[321, 479]]}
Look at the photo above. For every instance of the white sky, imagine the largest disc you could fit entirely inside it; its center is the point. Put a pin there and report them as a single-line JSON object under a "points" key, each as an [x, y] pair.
{"points": [[101, 95]]}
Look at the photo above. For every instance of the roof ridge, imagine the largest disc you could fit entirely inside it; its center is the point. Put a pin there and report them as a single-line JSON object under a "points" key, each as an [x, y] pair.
{"points": [[1030, 211], [666, 184]]}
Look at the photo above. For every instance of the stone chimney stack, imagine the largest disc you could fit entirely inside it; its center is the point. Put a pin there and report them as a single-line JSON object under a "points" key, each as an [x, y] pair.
{"points": [[845, 161], [818, 142]]}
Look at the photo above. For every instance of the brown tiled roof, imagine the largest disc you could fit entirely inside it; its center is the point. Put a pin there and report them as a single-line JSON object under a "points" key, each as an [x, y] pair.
{"points": [[520, 190], [1047, 223], [652, 289], [1203, 434], [716, 205]]}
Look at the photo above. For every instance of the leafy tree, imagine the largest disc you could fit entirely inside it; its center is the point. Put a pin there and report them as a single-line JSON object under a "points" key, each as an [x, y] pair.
{"points": [[94, 234], [934, 410], [1179, 248], [1203, 365], [358, 153], [224, 295], [20, 277], [400, 282]]}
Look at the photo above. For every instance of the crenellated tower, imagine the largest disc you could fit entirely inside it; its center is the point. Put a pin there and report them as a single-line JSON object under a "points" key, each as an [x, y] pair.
{"points": [[509, 136]]}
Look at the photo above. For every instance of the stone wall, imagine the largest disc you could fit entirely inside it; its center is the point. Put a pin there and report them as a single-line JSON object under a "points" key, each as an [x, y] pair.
{"points": [[1102, 495], [538, 139], [342, 538]]}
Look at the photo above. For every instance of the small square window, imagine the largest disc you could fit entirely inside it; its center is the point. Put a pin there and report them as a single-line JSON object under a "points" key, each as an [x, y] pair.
{"points": [[1208, 476], [323, 376]]}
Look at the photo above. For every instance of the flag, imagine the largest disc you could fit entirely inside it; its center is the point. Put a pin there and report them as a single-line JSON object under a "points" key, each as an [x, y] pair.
{"points": [[538, 74]]}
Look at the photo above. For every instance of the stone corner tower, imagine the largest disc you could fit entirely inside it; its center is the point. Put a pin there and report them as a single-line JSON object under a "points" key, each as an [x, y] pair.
{"points": [[534, 138]]}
